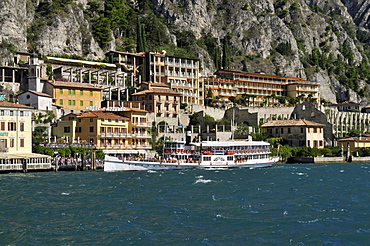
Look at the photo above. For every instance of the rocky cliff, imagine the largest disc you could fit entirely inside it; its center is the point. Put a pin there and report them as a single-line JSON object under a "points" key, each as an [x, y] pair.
{"points": [[323, 41]]}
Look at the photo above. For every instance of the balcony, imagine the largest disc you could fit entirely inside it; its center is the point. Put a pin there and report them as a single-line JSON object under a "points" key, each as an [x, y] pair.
{"points": [[142, 146], [140, 124], [114, 134], [141, 135]]}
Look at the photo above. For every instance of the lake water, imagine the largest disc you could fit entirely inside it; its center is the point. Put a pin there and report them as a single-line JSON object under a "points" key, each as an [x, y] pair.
{"points": [[298, 204]]}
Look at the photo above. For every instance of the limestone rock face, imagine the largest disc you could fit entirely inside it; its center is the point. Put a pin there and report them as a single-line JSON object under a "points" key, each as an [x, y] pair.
{"points": [[272, 36], [13, 22]]}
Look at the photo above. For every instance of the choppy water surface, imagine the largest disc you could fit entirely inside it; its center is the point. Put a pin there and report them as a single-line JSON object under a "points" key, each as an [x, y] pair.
{"points": [[321, 204]]}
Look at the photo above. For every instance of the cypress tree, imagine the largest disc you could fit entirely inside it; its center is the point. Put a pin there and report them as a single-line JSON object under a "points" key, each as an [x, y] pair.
{"points": [[226, 53]]}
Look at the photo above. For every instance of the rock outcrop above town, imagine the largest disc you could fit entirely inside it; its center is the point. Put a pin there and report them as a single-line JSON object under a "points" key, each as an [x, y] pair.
{"points": [[323, 41]]}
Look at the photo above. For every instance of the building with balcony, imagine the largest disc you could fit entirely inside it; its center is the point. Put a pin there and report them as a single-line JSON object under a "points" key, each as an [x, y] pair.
{"points": [[159, 99], [181, 74], [131, 63], [297, 133], [118, 132], [16, 140], [264, 89], [222, 88]]}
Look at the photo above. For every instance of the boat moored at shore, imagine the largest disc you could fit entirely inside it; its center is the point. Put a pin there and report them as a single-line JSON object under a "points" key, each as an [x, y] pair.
{"points": [[206, 154]]}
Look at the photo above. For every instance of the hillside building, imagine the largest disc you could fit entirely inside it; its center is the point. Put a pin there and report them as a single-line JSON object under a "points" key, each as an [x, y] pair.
{"points": [[181, 74], [73, 97], [119, 132], [16, 140], [261, 89], [297, 133], [159, 99], [354, 144]]}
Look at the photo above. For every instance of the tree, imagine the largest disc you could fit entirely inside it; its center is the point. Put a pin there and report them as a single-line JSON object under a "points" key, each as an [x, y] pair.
{"points": [[141, 38], [99, 154], [226, 53], [245, 98]]}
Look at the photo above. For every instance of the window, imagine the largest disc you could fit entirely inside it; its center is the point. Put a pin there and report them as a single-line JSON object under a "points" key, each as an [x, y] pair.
{"points": [[289, 130], [79, 120], [81, 103], [91, 119], [21, 113], [11, 113], [91, 93], [21, 126], [302, 130], [67, 129], [73, 92], [60, 91], [69, 91], [1, 112], [91, 129], [81, 93], [69, 102], [11, 142], [78, 129], [73, 102], [91, 103], [315, 130], [21, 142], [282, 130], [12, 126], [2, 126], [60, 101]]}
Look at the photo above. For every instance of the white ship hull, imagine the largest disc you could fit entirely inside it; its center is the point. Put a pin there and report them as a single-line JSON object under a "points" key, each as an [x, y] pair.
{"points": [[113, 164]]}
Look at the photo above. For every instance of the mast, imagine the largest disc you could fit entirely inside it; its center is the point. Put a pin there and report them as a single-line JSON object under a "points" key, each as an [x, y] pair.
{"points": [[232, 125]]}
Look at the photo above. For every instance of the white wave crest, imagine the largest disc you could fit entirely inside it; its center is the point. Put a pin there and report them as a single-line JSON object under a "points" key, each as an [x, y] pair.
{"points": [[204, 181]]}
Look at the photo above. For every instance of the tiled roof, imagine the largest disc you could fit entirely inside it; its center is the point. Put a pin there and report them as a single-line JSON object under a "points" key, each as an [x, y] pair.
{"points": [[157, 91], [13, 105], [73, 85], [355, 139], [101, 114], [298, 122], [39, 93], [134, 109]]}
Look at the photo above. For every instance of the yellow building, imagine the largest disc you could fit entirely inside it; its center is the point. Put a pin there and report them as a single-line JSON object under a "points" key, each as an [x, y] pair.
{"points": [[16, 140], [354, 143], [260, 86], [73, 96], [15, 128], [118, 132], [181, 74], [160, 99], [297, 133]]}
